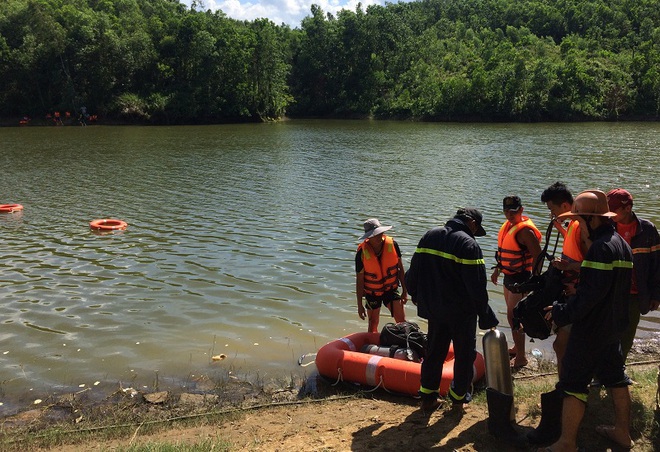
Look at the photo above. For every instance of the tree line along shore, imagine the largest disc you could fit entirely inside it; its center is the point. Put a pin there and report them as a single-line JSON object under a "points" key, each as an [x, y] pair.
{"points": [[160, 62]]}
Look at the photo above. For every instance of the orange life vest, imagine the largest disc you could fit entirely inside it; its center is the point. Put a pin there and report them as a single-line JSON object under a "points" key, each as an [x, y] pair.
{"points": [[511, 258], [380, 274], [571, 251]]}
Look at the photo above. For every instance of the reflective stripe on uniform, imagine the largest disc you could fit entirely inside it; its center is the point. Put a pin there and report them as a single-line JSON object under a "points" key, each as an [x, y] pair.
{"points": [[607, 266], [451, 257], [423, 390], [455, 396], [646, 250]]}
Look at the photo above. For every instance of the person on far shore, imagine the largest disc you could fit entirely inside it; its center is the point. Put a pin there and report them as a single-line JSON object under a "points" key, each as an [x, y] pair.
{"points": [[518, 247], [643, 238], [379, 272]]}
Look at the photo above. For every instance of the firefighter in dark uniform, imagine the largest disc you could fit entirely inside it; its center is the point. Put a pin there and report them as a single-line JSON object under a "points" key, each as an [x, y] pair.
{"points": [[447, 282]]}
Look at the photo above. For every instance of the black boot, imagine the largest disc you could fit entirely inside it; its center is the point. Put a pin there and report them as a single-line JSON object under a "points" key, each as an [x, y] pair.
{"points": [[500, 424], [549, 429]]}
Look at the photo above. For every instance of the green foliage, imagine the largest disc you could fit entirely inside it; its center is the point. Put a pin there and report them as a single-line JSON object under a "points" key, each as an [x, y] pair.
{"points": [[139, 60], [157, 61], [485, 60]]}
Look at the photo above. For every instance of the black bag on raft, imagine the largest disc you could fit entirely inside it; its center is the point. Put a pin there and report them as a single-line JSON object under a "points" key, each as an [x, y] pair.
{"points": [[405, 335]]}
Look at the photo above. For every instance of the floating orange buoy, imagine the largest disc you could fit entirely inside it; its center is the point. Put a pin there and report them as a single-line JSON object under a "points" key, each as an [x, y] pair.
{"points": [[10, 208], [108, 225]]}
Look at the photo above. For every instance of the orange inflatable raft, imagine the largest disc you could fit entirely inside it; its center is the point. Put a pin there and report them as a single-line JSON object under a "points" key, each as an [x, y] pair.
{"points": [[342, 360]]}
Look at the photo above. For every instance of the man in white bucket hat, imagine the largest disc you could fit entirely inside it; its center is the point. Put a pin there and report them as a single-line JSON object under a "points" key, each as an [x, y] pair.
{"points": [[379, 272]]}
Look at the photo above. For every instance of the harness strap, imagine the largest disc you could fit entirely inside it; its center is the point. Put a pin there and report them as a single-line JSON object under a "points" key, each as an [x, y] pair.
{"points": [[538, 264]]}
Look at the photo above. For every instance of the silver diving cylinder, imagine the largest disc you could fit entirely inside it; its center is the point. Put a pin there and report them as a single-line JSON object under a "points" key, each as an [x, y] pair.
{"points": [[496, 357], [405, 354]]}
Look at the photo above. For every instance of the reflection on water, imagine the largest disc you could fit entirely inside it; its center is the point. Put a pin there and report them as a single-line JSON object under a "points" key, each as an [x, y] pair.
{"points": [[241, 237]]}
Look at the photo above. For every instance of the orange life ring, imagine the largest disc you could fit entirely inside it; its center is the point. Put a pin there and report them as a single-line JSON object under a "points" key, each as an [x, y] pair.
{"points": [[9, 208], [341, 359], [108, 225]]}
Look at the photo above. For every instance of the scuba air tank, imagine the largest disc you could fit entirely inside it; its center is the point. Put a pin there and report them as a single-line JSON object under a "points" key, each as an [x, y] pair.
{"points": [[394, 351], [496, 356], [498, 370], [499, 393]]}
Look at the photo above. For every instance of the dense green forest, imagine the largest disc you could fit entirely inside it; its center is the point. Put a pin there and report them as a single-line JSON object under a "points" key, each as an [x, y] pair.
{"points": [[157, 61]]}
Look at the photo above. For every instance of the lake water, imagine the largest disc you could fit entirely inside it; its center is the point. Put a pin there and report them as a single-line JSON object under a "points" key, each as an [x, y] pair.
{"points": [[241, 238]]}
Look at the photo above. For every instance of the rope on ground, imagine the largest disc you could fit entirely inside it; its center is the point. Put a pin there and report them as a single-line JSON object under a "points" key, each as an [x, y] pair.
{"points": [[641, 363], [193, 416], [526, 377], [547, 374]]}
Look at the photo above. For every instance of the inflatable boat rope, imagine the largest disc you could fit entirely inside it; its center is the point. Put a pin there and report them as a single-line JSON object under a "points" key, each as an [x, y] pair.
{"points": [[340, 376], [302, 358]]}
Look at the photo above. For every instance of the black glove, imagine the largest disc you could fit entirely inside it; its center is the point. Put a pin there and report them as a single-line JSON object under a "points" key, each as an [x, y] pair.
{"points": [[488, 320]]}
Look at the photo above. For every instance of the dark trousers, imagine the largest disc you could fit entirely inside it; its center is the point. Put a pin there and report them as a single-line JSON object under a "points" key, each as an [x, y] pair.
{"points": [[463, 332]]}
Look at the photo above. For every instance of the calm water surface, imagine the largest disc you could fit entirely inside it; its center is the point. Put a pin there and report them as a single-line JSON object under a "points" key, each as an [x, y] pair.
{"points": [[241, 238]]}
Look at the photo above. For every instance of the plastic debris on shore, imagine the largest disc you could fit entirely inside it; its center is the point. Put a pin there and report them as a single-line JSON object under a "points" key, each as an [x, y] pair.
{"points": [[130, 391], [219, 357]]}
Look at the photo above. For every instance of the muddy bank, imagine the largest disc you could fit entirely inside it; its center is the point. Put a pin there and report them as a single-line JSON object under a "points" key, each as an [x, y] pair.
{"points": [[226, 392]]}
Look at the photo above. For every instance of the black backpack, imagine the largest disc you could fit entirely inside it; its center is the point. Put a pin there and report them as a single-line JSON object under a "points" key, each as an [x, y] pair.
{"points": [[405, 335], [530, 311], [544, 289]]}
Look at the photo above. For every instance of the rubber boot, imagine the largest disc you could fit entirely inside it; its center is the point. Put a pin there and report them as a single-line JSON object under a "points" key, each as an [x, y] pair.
{"points": [[500, 424], [549, 429]]}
